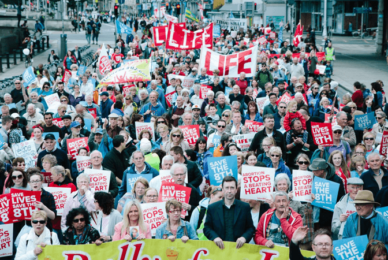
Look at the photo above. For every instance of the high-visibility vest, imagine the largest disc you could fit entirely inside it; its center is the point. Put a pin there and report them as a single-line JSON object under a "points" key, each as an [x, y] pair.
{"points": [[329, 53], [201, 235]]}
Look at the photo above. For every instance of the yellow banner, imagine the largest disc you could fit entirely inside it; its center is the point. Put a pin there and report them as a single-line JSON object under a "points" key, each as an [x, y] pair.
{"points": [[136, 70], [155, 249]]}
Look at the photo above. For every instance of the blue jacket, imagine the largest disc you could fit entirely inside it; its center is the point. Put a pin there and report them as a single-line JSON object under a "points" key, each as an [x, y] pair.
{"points": [[118, 112], [312, 102], [131, 170], [379, 222], [277, 118], [258, 118], [282, 169], [205, 172], [370, 182], [264, 158], [105, 108], [162, 230], [157, 110], [161, 98], [154, 145]]}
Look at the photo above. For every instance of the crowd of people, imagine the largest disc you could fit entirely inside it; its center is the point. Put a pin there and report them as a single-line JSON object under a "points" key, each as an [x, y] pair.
{"points": [[284, 142]]}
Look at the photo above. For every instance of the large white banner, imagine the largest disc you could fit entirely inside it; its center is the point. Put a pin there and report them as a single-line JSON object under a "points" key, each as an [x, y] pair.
{"points": [[230, 65], [233, 23]]}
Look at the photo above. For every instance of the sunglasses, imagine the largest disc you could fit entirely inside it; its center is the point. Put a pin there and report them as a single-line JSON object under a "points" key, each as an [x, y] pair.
{"points": [[338, 132], [225, 115], [17, 83], [378, 117], [17, 177], [160, 122], [38, 221], [76, 220], [275, 155], [222, 126], [282, 107], [63, 100], [303, 162], [369, 139], [176, 135]]}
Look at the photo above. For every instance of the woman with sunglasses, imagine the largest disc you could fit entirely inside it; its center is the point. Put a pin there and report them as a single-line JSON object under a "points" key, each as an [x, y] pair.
{"points": [[375, 250], [277, 162], [17, 180], [32, 244], [130, 107], [80, 231], [202, 155], [176, 139], [253, 113], [369, 141], [380, 126], [336, 158], [163, 134], [226, 115], [65, 101], [198, 217], [46, 90]]}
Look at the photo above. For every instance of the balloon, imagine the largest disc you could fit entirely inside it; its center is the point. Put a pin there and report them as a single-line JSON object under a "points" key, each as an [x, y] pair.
{"points": [[26, 52]]}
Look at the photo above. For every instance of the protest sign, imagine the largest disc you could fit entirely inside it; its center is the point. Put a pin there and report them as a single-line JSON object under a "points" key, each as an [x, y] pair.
{"points": [[179, 38], [81, 70], [216, 31], [244, 141], [188, 82], [140, 126], [93, 112], [28, 76], [165, 176], [5, 208], [285, 98], [27, 151], [190, 133], [6, 240], [322, 133], [383, 211], [88, 124], [170, 76], [174, 191], [58, 122], [257, 182], [384, 144], [203, 91], [99, 179], [350, 209], [253, 126], [47, 177], [169, 98], [365, 121], [23, 204], [260, 103], [350, 248], [154, 214], [50, 100], [132, 178], [83, 162], [229, 65], [325, 193], [302, 182], [74, 144], [220, 167], [60, 196]]}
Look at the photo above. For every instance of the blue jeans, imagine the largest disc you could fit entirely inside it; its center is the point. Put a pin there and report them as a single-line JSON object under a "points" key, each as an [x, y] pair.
{"points": [[88, 36], [95, 36]]}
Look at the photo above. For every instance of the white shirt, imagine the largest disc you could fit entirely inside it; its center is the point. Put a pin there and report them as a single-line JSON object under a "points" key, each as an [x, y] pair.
{"points": [[86, 89]]}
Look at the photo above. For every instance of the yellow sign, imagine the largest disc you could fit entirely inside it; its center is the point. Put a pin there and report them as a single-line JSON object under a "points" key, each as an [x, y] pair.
{"points": [[155, 249]]}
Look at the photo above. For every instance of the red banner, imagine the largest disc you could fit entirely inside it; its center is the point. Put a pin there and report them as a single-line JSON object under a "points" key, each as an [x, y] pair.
{"points": [[253, 126], [174, 191], [203, 91], [47, 177], [169, 98], [93, 112], [179, 38], [160, 33], [23, 204], [285, 98], [191, 133], [298, 35], [322, 133], [58, 122], [384, 144], [74, 144]]}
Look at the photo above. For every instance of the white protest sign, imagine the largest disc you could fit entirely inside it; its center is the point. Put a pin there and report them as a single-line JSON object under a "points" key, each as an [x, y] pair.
{"points": [[169, 76], [6, 238], [321, 69], [53, 98], [143, 46], [154, 214], [60, 196], [140, 126], [244, 141], [83, 162], [165, 176], [260, 103], [257, 182], [99, 179], [27, 151], [350, 209], [188, 82], [302, 184]]}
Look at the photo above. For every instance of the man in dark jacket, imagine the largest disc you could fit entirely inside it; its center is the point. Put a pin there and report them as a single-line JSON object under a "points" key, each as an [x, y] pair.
{"points": [[229, 219], [105, 105], [325, 170], [377, 177], [50, 143], [114, 160]]}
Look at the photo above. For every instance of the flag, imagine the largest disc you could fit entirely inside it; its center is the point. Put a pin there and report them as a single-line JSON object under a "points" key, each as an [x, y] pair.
{"points": [[103, 61], [190, 16], [122, 28], [201, 10], [298, 35]]}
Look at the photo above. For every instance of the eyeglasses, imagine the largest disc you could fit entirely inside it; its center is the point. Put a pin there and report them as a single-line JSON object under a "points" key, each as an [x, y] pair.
{"points": [[369, 139], [76, 220], [175, 211], [17, 177], [225, 115], [17, 83], [64, 100], [378, 118], [275, 155], [216, 190], [38, 221], [282, 107], [338, 132], [152, 196], [176, 135], [160, 122], [303, 162], [322, 245], [37, 181], [222, 126], [359, 153]]}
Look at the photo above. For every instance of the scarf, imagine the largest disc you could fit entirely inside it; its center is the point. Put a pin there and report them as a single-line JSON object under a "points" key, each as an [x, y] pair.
{"points": [[81, 239], [341, 174], [40, 239]]}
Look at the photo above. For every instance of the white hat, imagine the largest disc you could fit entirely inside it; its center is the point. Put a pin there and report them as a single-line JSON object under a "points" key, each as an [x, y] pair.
{"points": [[145, 145], [333, 85], [15, 115]]}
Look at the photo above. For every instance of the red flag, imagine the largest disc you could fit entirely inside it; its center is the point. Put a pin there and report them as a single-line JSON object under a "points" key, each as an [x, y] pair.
{"points": [[298, 34]]}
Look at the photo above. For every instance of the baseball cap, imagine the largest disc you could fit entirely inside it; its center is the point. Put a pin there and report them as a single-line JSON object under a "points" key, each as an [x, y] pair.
{"points": [[15, 115], [337, 127], [99, 131], [75, 124], [49, 136], [113, 115], [66, 117], [195, 107]]}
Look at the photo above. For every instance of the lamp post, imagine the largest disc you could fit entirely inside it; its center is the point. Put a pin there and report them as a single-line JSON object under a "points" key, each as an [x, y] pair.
{"points": [[324, 29]]}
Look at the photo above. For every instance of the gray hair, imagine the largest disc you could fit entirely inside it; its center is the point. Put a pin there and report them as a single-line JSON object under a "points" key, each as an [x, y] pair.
{"points": [[236, 103], [275, 149], [185, 114], [248, 89], [168, 157], [176, 166], [133, 154], [143, 91], [31, 105], [282, 176], [96, 151], [281, 194], [381, 113], [196, 87], [9, 95], [83, 175], [374, 154], [210, 92], [339, 114]]}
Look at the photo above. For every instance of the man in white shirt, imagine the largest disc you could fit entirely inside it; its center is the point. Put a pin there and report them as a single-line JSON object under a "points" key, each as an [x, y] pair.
{"points": [[296, 69], [32, 117], [86, 87]]}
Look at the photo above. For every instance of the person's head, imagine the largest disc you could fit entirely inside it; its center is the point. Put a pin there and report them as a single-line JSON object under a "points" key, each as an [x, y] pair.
{"points": [[48, 161], [358, 160], [78, 218], [374, 161], [342, 119], [31, 109], [229, 187], [83, 180], [58, 173], [319, 167], [151, 195], [18, 84], [35, 181], [365, 203], [322, 244], [251, 159], [236, 117], [139, 188], [221, 99], [178, 173], [375, 250], [103, 201], [17, 178], [167, 162], [275, 154], [354, 185], [187, 118], [177, 153], [38, 221], [282, 182], [138, 159], [154, 97], [119, 142], [96, 158], [269, 121], [174, 209], [19, 163], [337, 159], [281, 201], [303, 161], [176, 135]]}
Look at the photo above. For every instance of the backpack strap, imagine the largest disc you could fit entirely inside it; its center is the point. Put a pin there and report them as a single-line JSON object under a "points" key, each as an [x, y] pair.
{"points": [[202, 211]]}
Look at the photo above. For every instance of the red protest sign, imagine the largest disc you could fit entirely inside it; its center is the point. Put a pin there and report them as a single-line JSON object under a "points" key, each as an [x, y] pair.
{"points": [[285, 98], [58, 122], [83, 162], [333, 119], [5, 208], [384, 144], [23, 204], [203, 91], [67, 76], [190, 132], [126, 90], [174, 191], [179, 38], [169, 98], [74, 144], [322, 133], [93, 112], [262, 40], [272, 35], [47, 177], [253, 126]]}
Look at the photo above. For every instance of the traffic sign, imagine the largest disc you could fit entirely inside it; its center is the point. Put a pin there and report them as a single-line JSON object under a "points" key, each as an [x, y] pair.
{"points": [[121, 2], [362, 10]]}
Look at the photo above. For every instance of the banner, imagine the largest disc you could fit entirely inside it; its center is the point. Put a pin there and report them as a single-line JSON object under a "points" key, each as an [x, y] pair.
{"points": [[6, 238], [384, 144], [83, 162], [191, 133], [174, 191], [244, 141], [137, 70], [103, 61], [27, 151], [159, 13], [229, 65], [302, 184], [154, 214], [285, 98], [52, 99], [260, 103], [122, 28], [140, 126], [325, 193], [179, 38], [132, 178], [203, 91], [220, 167], [350, 248], [58, 122], [257, 182], [23, 204], [93, 112], [365, 121], [169, 98], [28, 76], [232, 23], [99, 179], [74, 144], [170, 18], [190, 16], [253, 126], [163, 249], [383, 211], [60, 196], [322, 133]]}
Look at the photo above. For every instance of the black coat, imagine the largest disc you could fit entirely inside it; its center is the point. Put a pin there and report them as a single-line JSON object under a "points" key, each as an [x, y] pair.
{"points": [[370, 182], [242, 221], [59, 154], [116, 162], [194, 174], [258, 139], [194, 200]]}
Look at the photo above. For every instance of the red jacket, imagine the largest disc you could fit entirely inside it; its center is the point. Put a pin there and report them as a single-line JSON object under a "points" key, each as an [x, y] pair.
{"points": [[288, 228], [358, 98], [243, 84], [64, 60], [288, 118]]}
